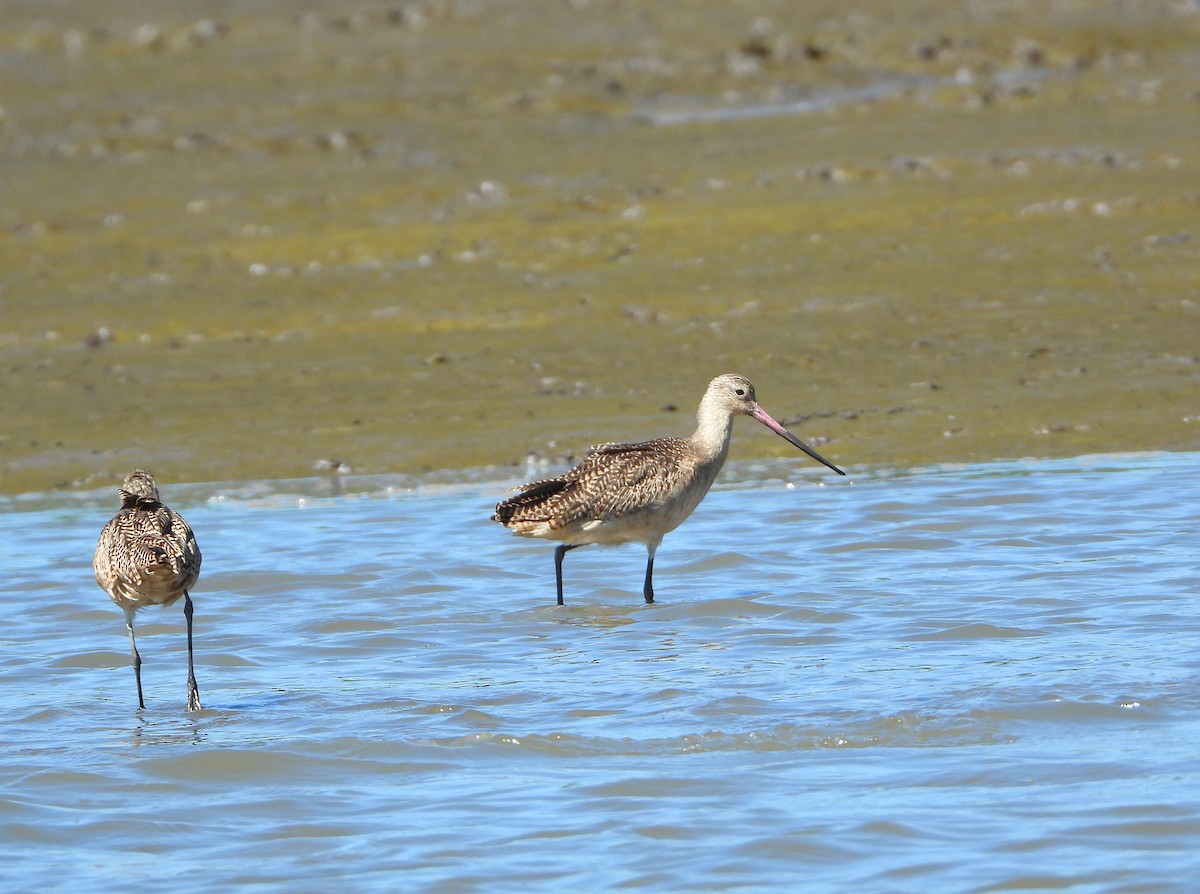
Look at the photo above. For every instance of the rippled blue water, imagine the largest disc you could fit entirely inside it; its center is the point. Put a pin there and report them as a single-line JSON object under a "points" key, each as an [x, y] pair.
{"points": [[980, 678]]}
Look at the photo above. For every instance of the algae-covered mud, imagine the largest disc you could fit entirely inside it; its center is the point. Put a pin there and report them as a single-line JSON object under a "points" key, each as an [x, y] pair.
{"points": [[428, 235]]}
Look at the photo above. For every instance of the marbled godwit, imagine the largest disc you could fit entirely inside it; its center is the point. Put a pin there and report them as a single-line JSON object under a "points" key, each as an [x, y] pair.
{"points": [[147, 555], [623, 493]]}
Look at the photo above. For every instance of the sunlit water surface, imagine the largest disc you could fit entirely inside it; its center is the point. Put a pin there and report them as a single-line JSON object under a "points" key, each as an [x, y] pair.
{"points": [[976, 678]]}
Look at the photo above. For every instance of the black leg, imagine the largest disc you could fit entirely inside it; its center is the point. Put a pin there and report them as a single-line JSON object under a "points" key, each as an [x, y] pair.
{"points": [[193, 689], [559, 552], [648, 587], [137, 659]]}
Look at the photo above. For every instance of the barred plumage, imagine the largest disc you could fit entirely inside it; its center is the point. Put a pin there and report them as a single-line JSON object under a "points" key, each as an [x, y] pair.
{"points": [[147, 555], [622, 493], [612, 480]]}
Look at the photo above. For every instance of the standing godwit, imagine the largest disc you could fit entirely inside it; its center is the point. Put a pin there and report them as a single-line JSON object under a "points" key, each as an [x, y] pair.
{"points": [[147, 555], [623, 493]]}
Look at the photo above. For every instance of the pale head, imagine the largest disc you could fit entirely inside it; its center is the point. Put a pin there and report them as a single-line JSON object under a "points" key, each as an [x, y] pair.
{"points": [[731, 393], [734, 394], [139, 487]]}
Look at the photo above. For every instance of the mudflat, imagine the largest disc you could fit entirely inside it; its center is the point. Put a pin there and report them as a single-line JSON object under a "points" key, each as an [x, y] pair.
{"points": [[440, 235]]}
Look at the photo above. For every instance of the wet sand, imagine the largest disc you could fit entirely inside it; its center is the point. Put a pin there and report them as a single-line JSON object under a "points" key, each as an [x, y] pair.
{"points": [[444, 235]]}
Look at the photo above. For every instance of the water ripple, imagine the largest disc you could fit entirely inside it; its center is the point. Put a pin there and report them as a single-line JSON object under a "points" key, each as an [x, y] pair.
{"points": [[971, 678]]}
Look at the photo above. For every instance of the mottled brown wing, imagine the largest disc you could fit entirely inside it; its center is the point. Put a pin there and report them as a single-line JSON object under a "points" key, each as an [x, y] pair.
{"points": [[139, 542], [527, 505], [613, 480], [183, 553]]}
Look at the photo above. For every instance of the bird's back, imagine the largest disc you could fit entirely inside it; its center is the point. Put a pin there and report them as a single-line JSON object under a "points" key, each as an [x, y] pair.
{"points": [[651, 485], [146, 556]]}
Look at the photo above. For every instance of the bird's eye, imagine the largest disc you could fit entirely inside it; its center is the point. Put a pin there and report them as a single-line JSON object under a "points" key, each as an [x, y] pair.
{"points": [[740, 392]]}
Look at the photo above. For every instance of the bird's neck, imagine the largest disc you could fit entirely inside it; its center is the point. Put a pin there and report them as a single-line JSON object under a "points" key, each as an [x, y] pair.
{"points": [[713, 429]]}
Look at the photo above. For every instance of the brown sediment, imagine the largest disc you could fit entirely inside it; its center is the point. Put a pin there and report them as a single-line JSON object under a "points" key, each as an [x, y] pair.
{"points": [[442, 234]]}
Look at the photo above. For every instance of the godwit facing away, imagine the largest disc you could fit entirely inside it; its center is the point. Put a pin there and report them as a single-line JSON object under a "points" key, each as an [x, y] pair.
{"points": [[147, 555], [623, 493]]}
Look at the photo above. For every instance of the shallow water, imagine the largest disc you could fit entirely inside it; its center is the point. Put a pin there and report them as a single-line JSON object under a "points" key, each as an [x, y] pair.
{"points": [[971, 678]]}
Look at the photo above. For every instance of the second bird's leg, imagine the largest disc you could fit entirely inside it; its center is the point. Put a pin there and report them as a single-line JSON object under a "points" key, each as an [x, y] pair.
{"points": [[193, 689], [559, 552]]}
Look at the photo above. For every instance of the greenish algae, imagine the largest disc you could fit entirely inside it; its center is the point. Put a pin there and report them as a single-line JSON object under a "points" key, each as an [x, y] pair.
{"points": [[447, 236]]}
